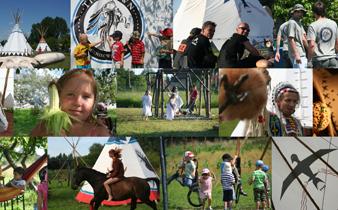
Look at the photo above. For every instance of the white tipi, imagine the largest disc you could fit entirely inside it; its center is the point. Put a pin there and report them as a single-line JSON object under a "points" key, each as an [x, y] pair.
{"points": [[17, 43], [135, 162], [42, 46], [227, 14]]}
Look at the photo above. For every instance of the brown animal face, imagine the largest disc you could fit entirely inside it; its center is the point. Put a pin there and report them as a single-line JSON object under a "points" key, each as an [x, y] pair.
{"points": [[242, 93]]}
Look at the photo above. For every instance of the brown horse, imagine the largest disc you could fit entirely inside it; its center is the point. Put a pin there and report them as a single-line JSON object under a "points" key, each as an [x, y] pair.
{"points": [[129, 187]]}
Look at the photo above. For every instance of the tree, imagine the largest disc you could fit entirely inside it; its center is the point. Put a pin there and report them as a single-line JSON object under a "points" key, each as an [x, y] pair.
{"points": [[106, 80], [94, 152], [57, 35], [281, 10], [30, 88], [17, 150]]}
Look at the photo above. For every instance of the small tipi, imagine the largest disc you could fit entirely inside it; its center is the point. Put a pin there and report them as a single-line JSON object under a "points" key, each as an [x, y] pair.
{"points": [[135, 162], [42, 46], [16, 43]]}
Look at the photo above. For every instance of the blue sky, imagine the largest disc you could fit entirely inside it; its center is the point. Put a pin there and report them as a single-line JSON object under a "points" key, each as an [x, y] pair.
{"points": [[176, 4], [57, 145], [33, 11]]}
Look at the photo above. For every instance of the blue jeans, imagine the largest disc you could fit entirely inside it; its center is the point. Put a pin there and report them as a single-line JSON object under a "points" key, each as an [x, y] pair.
{"points": [[302, 65], [187, 181]]}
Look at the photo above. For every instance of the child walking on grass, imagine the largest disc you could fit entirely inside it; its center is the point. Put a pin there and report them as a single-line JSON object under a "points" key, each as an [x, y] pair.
{"points": [[73, 114], [205, 182], [259, 181], [228, 181], [266, 168], [146, 105]]}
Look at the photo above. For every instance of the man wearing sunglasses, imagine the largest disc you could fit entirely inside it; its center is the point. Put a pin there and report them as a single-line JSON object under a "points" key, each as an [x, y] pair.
{"points": [[232, 50]]}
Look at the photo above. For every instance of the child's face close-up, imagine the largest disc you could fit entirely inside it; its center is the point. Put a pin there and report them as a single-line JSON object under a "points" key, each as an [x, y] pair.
{"points": [[17, 176], [77, 97], [205, 176], [287, 104]]}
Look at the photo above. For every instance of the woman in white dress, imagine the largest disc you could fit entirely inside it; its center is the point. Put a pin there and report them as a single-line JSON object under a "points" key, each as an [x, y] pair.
{"points": [[171, 107], [146, 105], [178, 100]]}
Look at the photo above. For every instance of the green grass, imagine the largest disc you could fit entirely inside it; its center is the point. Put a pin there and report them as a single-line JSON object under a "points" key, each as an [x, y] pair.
{"points": [[226, 128], [65, 64], [63, 197], [24, 121], [129, 99], [209, 155], [130, 122]]}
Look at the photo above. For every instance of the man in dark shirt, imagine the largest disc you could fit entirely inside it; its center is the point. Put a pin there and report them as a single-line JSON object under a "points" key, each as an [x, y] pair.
{"points": [[180, 60], [233, 50], [199, 53]]}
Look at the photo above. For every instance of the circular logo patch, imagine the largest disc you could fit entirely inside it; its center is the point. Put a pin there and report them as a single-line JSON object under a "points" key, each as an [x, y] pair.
{"points": [[326, 34], [100, 18]]}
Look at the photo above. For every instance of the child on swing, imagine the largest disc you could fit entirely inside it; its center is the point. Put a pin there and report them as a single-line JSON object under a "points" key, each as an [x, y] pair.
{"points": [[73, 115], [117, 173]]}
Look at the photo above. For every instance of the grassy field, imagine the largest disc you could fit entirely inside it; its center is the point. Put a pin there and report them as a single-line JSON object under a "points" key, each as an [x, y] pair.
{"points": [[209, 156], [62, 196], [129, 114], [226, 128], [24, 121], [130, 122], [132, 99]]}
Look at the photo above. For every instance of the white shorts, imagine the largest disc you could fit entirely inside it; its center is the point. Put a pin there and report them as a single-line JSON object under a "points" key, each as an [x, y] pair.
{"points": [[205, 195]]}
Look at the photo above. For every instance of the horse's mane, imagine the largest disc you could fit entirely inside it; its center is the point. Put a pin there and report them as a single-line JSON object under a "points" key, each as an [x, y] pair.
{"points": [[95, 172]]}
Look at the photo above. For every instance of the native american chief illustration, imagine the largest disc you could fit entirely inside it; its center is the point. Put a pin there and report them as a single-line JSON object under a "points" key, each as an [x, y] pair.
{"points": [[104, 20]]}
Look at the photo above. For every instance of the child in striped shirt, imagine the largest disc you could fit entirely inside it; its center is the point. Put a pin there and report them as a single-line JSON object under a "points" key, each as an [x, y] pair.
{"points": [[228, 181]]}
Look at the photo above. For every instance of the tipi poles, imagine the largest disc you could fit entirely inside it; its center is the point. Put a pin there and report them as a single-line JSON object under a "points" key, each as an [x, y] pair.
{"points": [[162, 93], [157, 93], [187, 89], [5, 88], [297, 178], [164, 173]]}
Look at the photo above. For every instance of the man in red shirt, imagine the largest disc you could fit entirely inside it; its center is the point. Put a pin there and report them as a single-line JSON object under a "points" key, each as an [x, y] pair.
{"points": [[136, 47]]}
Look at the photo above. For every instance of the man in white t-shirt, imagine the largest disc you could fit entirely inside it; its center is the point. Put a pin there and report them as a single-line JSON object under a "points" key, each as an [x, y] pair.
{"points": [[322, 37]]}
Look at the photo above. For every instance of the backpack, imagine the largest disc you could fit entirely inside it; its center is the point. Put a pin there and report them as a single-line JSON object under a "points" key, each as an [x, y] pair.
{"points": [[180, 60]]}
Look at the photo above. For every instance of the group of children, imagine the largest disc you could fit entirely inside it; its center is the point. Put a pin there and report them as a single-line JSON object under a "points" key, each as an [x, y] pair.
{"points": [[229, 177], [174, 105], [135, 46]]}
